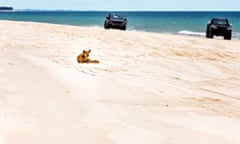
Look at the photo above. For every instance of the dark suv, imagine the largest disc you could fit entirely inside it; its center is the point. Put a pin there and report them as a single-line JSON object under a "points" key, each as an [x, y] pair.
{"points": [[219, 27], [115, 21]]}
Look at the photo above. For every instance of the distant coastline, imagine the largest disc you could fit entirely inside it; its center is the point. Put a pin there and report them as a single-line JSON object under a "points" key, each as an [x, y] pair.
{"points": [[6, 8]]}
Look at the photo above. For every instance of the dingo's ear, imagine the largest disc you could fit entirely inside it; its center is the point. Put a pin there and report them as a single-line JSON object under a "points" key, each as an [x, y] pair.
{"points": [[89, 50], [83, 51]]}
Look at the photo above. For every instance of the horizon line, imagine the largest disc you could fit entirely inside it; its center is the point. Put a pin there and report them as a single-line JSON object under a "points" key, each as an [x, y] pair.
{"points": [[135, 10]]}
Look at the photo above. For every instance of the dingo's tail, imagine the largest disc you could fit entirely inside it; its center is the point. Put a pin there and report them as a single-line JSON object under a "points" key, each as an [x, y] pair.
{"points": [[94, 61]]}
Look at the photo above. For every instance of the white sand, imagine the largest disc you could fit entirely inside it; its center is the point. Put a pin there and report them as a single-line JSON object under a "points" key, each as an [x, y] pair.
{"points": [[148, 88]]}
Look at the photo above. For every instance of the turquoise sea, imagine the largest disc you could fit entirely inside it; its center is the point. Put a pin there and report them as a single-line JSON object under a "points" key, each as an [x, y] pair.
{"points": [[184, 23]]}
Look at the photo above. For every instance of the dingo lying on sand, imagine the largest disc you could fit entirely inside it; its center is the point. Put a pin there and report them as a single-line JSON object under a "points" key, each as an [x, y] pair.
{"points": [[84, 57]]}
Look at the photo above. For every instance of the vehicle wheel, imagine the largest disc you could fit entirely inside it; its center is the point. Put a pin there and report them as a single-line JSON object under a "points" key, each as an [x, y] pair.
{"points": [[228, 36], [106, 26], [209, 35], [123, 28]]}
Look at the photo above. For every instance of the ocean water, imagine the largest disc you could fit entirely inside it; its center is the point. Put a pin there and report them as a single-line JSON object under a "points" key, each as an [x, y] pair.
{"points": [[183, 23]]}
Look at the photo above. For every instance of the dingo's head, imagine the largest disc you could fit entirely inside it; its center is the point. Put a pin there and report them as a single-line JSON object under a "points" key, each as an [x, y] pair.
{"points": [[86, 53]]}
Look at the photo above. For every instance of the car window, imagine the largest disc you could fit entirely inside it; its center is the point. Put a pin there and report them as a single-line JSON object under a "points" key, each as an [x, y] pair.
{"points": [[220, 22], [116, 17]]}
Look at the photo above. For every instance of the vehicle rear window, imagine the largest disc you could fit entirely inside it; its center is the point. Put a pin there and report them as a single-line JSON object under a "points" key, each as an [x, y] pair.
{"points": [[116, 17], [220, 22]]}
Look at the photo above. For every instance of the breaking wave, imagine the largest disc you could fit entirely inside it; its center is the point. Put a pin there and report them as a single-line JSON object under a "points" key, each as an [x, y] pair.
{"points": [[191, 33], [235, 35]]}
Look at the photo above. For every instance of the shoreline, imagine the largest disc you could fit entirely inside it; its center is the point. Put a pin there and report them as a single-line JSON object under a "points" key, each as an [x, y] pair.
{"points": [[180, 33], [148, 87], [176, 24]]}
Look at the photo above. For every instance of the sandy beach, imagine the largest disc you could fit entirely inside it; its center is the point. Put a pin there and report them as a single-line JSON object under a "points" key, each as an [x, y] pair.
{"points": [[148, 88]]}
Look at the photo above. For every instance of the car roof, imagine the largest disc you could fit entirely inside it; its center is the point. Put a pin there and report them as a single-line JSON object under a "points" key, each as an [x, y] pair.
{"points": [[219, 19]]}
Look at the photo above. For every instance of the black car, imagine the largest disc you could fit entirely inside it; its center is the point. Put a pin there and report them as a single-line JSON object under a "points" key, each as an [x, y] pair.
{"points": [[219, 27], [115, 21]]}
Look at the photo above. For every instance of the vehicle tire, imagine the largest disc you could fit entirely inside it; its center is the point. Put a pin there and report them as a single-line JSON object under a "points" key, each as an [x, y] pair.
{"points": [[123, 28], [228, 36], [209, 34], [106, 26]]}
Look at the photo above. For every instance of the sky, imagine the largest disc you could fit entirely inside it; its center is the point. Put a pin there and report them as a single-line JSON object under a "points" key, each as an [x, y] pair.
{"points": [[123, 4]]}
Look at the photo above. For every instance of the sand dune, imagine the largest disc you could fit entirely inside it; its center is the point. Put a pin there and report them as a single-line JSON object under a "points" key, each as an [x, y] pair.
{"points": [[148, 88]]}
